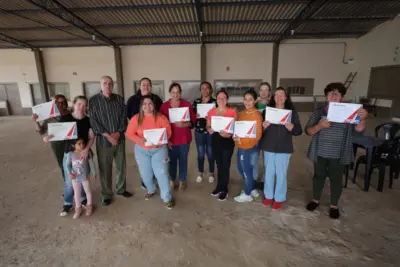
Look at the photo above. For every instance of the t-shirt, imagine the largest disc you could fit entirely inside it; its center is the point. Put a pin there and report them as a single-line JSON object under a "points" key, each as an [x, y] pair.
{"points": [[260, 106], [83, 127], [219, 142]]}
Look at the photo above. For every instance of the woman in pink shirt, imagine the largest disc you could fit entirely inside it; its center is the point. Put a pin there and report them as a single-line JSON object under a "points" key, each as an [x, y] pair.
{"points": [[151, 159], [181, 136]]}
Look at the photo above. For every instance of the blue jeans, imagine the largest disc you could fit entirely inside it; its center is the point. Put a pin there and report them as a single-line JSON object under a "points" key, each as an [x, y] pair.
{"points": [[276, 164], [245, 165], [178, 153], [154, 162], [203, 144], [254, 159], [68, 190]]}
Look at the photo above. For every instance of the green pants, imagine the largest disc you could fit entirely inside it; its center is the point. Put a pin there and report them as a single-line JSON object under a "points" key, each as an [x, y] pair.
{"points": [[58, 152], [328, 168], [105, 157]]}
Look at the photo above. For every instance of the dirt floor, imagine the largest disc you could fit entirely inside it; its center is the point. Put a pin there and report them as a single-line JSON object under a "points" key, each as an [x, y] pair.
{"points": [[200, 231]]}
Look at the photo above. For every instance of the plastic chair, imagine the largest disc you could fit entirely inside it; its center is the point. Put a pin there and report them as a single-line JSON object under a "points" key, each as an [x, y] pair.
{"points": [[387, 130]]}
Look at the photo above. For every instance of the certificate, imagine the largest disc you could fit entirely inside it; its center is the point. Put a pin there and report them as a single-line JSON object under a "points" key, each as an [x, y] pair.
{"points": [[278, 115], [203, 109], [219, 123], [155, 137], [245, 129], [63, 131], [46, 110], [179, 114], [344, 113]]}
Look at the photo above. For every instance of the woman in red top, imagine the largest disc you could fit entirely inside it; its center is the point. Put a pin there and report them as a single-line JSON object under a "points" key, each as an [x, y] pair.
{"points": [[222, 144], [181, 136]]}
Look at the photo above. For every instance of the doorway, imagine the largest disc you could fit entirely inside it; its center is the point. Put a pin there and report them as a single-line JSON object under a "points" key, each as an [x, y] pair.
{"points": [[10, 93]]}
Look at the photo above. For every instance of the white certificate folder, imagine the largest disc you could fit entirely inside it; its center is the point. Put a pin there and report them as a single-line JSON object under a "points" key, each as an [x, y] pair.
{"points": [[245, 129], [155, 137], [219, 123], [179, 114], [344, 113], [46, 110], [277, 115], [63, 131], [203, 109]]}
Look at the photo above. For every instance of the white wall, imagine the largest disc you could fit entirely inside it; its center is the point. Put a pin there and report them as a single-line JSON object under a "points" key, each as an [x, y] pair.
{"points": [[167, 63], [18, 66], [89, 64]]}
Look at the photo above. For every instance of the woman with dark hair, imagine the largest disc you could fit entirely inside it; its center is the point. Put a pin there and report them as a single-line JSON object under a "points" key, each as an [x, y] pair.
{"points": [[180, 138], [222, 144], [248, 147], [85, 132], [202, 137], [277, 145], [331, 148], [151, 160]]}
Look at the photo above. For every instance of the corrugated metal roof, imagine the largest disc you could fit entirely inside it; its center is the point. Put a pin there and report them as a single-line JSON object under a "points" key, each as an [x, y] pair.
{"points": [[338, 26], [65, 43], [103, 3], [16, 5], [245, 28], [12, 21], [149, 41], [158, 30], [240, 38], [44, 34]]}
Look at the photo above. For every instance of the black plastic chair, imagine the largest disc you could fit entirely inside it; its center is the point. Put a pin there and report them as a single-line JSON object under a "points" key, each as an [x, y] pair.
{"points": [[387, 131]]}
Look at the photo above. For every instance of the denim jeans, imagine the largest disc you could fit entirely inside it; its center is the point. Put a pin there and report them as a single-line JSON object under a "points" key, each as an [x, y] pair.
{"points": [[203, 144], [68, 189], [254, 158], [245, 165], [276, 164], [154, 162], [178, 154]]}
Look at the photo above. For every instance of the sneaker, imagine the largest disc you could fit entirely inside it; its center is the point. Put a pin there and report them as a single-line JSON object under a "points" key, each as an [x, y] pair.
{"points": [[199, 179], [223, 196], [312, 206], [215, 193], [211, 179], [78, 212], [243, 198], [254, 193], [182, 186], [277, 205], [65, 210], [84, 203], [149, 196], [266, 202], [89, 210], [125, 194], [241, 193], [106, 202], [170, 204], [334, 213]]}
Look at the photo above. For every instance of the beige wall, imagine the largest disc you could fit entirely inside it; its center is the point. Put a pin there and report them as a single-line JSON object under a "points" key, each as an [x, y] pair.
{"points": [[18, 66], [167, 63]]}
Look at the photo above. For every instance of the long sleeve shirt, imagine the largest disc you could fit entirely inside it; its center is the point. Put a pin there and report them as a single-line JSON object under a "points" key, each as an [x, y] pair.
{"points": [[107, 115], [135, 132], [133, 104], [180, 136], [250, 115]]}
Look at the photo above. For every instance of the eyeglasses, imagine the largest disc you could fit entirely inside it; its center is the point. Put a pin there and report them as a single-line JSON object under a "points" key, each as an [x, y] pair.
{"points": [[334, 94]]}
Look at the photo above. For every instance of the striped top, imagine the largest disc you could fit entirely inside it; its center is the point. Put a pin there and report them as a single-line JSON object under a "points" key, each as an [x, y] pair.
{"points": [[107, 115]]}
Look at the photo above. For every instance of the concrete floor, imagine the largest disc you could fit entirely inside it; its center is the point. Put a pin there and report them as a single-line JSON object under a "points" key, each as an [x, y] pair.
{"points": [[200, 231]]}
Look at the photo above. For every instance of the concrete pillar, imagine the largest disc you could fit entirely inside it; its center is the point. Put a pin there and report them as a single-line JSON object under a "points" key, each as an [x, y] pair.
{"points": [[119, 72], [203, 63], [275, 62], [42, 75]]}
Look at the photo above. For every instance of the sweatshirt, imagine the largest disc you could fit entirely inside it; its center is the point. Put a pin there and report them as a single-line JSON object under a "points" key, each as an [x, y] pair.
{"points": [[250, 115], [133, 104]]}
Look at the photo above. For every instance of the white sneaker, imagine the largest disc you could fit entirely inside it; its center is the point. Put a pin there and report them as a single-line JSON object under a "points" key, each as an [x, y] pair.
{"points": [[243, 198], [199, 179], [211, 179], [255, 193]]}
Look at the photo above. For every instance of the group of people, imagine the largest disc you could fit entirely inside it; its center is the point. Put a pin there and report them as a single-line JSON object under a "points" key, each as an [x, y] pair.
{"points": [[109, 121]]}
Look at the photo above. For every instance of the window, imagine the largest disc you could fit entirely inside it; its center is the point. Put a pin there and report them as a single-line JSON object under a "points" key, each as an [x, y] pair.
{"points": [[36, 94], [237, 87], [157, 88], [296, 86], [190, 89], [53, 89], [93, 88]]}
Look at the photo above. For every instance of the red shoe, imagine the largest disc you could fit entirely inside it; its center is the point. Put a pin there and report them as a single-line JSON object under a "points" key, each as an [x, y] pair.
{"points": [[277, 205], [266, 202]]}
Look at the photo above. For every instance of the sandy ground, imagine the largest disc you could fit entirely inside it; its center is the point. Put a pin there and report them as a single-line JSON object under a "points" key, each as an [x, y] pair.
{"points": [[200, 231]]}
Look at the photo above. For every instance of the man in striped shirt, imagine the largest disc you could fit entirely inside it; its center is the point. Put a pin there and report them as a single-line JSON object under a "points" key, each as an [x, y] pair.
{"points": [[108, 120]]}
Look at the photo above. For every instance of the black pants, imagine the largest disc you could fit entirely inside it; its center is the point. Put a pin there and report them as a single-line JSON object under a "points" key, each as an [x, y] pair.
{"points": [[223, 159]]}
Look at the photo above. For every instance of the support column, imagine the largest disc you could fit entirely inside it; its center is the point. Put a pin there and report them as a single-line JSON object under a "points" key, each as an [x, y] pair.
{"points": [[275, 62], [41, 75], [119, 72], [203, 63]]}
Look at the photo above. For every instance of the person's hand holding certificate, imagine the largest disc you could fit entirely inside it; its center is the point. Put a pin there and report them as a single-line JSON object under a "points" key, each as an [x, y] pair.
{"points": [[62, 131], [155, 137], [224, 124], [45, 111], [277, 115], [203, 109], [179, 114], [245, 129], [344, 113]]}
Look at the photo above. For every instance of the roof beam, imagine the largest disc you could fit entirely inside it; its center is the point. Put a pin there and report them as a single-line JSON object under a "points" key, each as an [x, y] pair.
{"points": [[197, 4], [58, 10], [16, 42], [306, 13]]}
